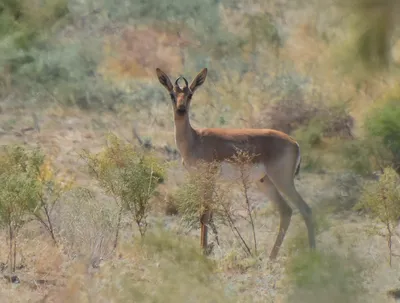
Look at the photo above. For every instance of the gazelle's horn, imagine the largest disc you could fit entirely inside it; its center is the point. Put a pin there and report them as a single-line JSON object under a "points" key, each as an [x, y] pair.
{"points": [[186, 83], [176, 82]]}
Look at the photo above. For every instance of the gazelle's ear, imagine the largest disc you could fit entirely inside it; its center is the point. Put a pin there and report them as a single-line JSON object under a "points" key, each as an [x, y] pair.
{"points": [[199, 80], [164, 79]]}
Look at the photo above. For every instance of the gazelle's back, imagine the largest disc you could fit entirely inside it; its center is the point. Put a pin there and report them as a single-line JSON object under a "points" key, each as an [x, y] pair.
{"points": [[262, 144]]}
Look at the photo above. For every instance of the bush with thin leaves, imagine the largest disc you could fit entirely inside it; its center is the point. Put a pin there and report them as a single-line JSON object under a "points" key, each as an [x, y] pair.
{"points": [[19, 189], [204, 191], [382, 200], [130, 176], [52, 187], [30, 189], [198, 193]]}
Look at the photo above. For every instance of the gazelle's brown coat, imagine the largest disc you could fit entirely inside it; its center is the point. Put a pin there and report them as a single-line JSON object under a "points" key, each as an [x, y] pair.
{"points": [[276, 157]]}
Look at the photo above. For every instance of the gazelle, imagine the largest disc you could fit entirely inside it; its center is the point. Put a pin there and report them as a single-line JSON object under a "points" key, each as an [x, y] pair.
{"points": [[274, 166]]}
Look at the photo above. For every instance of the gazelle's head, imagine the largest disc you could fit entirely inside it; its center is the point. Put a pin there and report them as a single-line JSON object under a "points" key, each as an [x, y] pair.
{"points": [[181, 96]]}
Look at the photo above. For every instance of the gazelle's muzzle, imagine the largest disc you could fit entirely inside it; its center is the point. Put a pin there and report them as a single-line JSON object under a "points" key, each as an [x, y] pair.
{"points": [[181, 110]]}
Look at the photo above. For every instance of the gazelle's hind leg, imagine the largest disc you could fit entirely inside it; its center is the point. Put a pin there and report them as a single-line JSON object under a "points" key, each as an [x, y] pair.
{"points": [[281, 175], [285, 212]]}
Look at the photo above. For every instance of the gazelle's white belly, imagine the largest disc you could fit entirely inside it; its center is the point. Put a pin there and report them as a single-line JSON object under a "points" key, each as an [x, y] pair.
{"points": [[254, 172], [229, 171]]}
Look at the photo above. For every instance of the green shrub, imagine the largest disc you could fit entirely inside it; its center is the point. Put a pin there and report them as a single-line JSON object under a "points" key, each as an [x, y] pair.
{"points": [[19, 191], [199, 192], [384, 123], [130, 176], [381, 200], [324, 276]]}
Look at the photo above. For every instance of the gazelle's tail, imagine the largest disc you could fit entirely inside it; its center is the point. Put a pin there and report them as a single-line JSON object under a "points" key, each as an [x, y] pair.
{"points": [[298, 162]]}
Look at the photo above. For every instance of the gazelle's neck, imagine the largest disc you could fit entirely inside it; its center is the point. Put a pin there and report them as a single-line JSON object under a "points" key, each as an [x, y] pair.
{"points": [[184, 135]]}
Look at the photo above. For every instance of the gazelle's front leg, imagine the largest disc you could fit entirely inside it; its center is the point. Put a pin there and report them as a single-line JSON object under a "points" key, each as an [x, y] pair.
{"points": [[206, 216], [204, 222]]}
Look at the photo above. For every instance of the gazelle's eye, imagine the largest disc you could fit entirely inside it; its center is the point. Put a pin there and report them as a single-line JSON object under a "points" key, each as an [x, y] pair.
{"points": [[190, 96], [173, 97]]}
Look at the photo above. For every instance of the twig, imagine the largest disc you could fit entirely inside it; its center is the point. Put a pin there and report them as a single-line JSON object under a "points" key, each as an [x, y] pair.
{"points": [[248, 207], [117, 228], [236, 231]]}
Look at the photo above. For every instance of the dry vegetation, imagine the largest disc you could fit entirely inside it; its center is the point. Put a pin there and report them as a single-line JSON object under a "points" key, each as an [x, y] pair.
{"points": [[94, 203]]}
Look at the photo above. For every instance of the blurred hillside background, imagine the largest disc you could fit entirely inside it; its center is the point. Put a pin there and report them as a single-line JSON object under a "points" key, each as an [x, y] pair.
{"points": [[72, 71]]}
